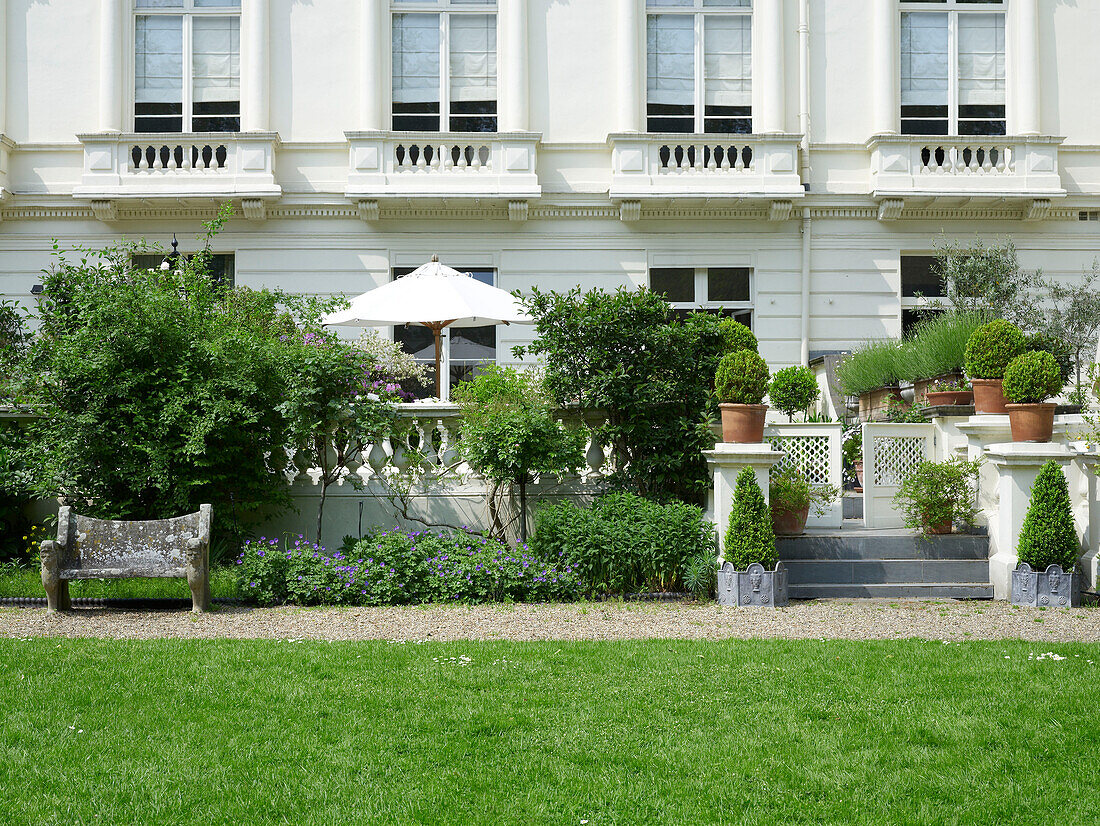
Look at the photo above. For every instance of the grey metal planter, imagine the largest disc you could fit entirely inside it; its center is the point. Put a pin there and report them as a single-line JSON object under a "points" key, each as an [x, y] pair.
{"points": [[755, 587], [1052, 588]]}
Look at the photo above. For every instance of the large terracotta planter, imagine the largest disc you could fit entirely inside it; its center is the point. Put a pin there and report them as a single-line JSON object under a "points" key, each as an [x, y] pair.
{"points": [[790, 522], [1031, 422], [938, 397], [743, 423], [939, 530], [874, 405], [922, 387], [988, 396]]}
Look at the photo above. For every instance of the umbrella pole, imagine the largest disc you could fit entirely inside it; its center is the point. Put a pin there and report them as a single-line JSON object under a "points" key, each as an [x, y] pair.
{"points": [[436, 330]]}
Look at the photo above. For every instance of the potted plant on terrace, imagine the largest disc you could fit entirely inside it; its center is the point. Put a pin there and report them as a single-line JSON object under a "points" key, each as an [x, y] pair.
{"points": [[935, 495], [1030, 379], [752, 574], [936, 349], [950, 392], [872, 372], [793, 389], [1048, 547], [988, 352], [791, 497], [740, 384]]}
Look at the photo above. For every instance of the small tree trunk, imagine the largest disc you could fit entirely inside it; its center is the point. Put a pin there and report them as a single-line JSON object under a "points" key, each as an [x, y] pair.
{"points": [[523, 508]]}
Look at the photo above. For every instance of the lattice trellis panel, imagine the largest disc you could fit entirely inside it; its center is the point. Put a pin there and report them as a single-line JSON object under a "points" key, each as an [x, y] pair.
{"points": [[807, 454], [895, 456]]}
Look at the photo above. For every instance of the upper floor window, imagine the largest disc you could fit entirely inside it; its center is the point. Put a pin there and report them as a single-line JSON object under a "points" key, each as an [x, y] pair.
{"points": [[187, 58], [952, 67], [699, 66], [445, 65]]}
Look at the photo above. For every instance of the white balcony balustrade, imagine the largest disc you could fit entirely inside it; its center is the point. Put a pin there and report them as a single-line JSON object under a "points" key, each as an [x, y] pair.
{"points": [[975, 166], [443, 165], [704, 165], [167, 165]]}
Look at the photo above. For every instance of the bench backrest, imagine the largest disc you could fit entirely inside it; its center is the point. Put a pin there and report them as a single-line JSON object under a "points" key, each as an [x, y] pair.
{"points": [[94, 544]]}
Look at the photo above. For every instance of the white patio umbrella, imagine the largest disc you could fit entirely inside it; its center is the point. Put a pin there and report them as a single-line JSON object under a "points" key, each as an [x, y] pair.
{"points": [[435, 296]]}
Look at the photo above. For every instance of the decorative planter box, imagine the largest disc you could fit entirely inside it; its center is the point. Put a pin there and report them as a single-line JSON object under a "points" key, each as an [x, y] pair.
{"points": [[754, 587], [874, 405], [1050, 588]]}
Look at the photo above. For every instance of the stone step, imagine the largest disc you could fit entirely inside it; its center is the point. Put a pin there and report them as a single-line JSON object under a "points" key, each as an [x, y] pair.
{"points": [[880, 545], [886, 571], [938, 590]]}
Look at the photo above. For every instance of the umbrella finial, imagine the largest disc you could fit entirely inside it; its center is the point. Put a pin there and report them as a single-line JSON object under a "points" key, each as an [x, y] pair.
{"points": [[435, 258]]}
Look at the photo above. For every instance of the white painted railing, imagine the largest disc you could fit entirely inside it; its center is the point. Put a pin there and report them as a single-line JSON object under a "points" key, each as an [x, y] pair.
{"points": [[443, 164], [214, 164], [662, 165], [973, 165], [815, 450], [890, 451]]}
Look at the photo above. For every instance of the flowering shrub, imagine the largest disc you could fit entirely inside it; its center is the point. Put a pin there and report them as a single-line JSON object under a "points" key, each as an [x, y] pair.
{"points": [[397, 567]]}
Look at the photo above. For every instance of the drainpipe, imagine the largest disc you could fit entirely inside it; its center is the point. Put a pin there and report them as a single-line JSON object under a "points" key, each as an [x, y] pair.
{"points": [[804, 146]]}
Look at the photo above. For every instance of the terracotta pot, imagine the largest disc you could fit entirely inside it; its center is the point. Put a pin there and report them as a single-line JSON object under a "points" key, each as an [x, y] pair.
{"points": [[873, 405], [939, 397], [743, 423], [789, 522], [858, 464], [939, 530], [1031, 422], [988, 396], [922, 387]]}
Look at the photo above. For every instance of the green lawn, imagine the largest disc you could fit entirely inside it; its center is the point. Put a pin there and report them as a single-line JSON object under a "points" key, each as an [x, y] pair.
{"points": [[27, 582], [633, 732]]}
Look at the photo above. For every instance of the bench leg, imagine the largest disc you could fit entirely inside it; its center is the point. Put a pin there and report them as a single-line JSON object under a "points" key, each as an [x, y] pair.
{"points": [[57, 589], [199, 581]]}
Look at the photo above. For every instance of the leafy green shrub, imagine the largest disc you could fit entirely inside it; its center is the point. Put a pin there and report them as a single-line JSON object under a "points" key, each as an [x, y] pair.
{"points": [[625, 354], [873, 365], [793, 389], [991, 347], [788, 490], [1048, 536], [742, 378], [749, 536], [937, 345], [400, 567], [623, 543], [1031, 378], [938, 493], [736, 336], [701, 575], [1041, 342]]}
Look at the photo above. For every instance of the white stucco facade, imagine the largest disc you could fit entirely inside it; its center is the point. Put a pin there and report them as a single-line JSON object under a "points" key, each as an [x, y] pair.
{"points": [[819, 202]]}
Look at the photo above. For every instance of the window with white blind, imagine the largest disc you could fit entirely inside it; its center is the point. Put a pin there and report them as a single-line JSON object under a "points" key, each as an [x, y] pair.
{"points": [[699, 66], [444, 51], [724, 291], [952, 67], [187, 56]]}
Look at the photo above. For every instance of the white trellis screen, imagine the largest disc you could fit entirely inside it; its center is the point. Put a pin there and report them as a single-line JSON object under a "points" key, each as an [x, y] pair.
{"points": [[889, 452], [815, 449]]}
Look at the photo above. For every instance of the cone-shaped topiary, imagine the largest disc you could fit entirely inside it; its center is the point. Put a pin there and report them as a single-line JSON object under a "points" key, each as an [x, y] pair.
{"points": [[1048, 536], [750, 537]]}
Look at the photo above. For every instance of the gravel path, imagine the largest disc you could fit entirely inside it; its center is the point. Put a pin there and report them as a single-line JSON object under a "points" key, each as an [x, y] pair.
{"points": [[853, 620]]}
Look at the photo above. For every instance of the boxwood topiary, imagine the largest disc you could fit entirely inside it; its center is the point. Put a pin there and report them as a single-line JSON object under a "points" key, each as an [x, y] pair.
{"points": [[742, 378], [749, 537], [736, 336], [1040, 342], [1031, 378], [991, 347], [793, 389], [1048, 536]]}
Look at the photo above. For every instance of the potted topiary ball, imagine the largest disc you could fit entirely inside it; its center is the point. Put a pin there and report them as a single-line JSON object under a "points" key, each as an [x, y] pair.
{"points": [[793, 389], [740, 384], [1030, 379], [737, 336], [1048, 548], [752, 574], [989, 350]]}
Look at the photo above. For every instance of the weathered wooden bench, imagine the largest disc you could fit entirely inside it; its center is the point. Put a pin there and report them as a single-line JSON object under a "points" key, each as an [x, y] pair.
{"points": [[88, 548]]}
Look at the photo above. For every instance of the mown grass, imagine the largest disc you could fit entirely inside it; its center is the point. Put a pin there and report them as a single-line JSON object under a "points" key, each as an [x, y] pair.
{"points": [[27, 582], [605, 732]]}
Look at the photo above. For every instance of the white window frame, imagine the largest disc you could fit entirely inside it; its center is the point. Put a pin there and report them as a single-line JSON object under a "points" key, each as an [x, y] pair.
{"points": [[701, 302], [699, 12], [188, 12], [953, 8], [912, 302], [444, 8]]}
